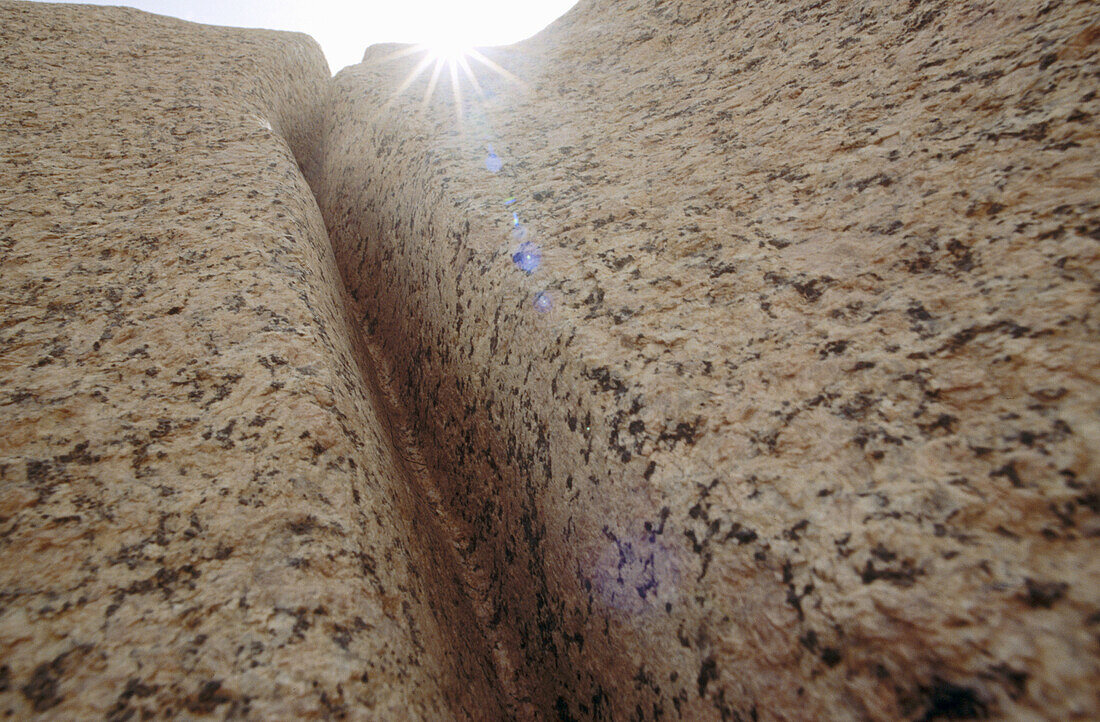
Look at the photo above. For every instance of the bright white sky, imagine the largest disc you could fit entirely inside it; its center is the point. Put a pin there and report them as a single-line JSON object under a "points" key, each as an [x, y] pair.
{"points": [[345, 28]]}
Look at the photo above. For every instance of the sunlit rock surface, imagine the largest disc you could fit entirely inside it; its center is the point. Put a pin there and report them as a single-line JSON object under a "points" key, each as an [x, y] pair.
{"points": [[804, 422], [705, 360], [201, 510]]}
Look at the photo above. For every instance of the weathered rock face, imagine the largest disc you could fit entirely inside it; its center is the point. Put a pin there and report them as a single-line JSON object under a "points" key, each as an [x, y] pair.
{"points": [[724, 361], [804, 426], [201, 509]]}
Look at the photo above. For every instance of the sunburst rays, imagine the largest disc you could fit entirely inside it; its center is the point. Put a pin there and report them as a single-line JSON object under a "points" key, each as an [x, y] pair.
{"points": [[453, 59]]}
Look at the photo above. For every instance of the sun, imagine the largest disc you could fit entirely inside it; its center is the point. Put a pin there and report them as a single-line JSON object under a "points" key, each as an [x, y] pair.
{"points": [[448, 50], [449, 56]]}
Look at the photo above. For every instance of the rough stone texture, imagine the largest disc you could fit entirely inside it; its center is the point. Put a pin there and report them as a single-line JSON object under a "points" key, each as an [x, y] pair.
{"points": [[202, 511], [810, 431], [805, 426]]}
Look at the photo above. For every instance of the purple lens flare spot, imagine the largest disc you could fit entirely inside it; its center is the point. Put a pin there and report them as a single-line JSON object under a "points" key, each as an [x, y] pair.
{"points": [[527, 258], [493, 163], [543, 302]]}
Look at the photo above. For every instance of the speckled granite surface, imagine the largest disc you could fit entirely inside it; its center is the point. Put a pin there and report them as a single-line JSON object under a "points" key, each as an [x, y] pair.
{"points": [[202, 512], [731, 361], [805, 424]]}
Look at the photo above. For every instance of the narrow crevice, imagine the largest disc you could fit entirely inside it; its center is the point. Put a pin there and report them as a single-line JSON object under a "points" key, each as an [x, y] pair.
{"points": [[441, 535], [472, 582]]}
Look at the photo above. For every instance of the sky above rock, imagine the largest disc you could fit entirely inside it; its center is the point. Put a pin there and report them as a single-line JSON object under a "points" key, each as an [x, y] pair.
{"points": [[345, 28]]}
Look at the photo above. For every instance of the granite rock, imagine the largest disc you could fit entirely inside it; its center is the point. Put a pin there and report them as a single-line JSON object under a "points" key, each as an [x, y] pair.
{"points": [[698, 361], [790, 412], [203, 512]]}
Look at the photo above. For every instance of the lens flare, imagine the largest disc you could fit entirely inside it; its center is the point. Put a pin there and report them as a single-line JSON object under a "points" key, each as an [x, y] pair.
{"points": [[527, 258], [493, 163], [543, 303]]}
